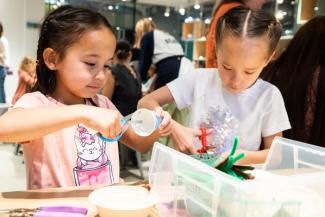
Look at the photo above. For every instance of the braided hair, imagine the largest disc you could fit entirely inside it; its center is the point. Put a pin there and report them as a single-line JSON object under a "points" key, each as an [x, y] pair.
{"points": [[60, 29], [243, 22]]}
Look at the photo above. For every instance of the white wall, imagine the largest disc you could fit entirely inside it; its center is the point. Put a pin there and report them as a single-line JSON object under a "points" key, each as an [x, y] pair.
{"points": [[14, 15]]}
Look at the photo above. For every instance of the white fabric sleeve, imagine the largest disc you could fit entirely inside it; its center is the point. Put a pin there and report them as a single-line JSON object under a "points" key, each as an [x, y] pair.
{"points": [[276, 118], [182, 89]]}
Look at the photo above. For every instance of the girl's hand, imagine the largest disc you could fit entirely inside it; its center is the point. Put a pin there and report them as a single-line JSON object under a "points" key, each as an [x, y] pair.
{"points": [[105, 121], [166, 124], [184, 137]]}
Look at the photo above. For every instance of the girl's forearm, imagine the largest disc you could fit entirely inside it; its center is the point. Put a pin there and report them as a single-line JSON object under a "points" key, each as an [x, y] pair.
{"points": [[156, 99], [253, 157], [148, 102], [26, 124]]}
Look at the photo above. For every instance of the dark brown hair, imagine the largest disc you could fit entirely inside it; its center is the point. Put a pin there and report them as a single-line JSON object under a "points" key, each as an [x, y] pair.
{"points": [[1, 29], [242, 22], [299, 73], [122, 50], [60, 29]]}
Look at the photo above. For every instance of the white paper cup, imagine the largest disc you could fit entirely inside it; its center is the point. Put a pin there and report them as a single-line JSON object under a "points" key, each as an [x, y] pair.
{"points": [[144, 122]]}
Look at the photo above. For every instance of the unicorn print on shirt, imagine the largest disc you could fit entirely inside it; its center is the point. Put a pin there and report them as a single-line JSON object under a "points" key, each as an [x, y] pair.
{"points": [[93, 166]]}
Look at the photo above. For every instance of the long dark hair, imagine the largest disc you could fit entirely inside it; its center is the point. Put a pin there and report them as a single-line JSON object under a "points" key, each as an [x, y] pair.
{"points": [[60, 29], [1, 29], [299, 73], [243, 22]]}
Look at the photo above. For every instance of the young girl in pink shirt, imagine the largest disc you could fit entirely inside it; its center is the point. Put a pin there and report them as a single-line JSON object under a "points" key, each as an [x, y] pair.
{"points": [[61, 119]]}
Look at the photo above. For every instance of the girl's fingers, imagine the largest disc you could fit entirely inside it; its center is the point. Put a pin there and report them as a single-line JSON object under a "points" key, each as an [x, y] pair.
{"points": [[198, 132], [166, 130], [159, 111], [166, 120]]}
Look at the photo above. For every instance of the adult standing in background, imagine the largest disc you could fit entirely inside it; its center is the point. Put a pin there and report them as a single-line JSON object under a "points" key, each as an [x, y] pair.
{"points": [[165, 53], [161, 49], [141, 27], [4, 62], [221, 9]]}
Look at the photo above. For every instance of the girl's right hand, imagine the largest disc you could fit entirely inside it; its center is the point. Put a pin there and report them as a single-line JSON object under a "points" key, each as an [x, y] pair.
{"points": [[105, 121], [184, 137], [166, 124]]}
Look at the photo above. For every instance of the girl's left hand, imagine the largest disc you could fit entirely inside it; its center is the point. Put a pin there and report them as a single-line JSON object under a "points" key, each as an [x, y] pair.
{"points": [[166, 124]]}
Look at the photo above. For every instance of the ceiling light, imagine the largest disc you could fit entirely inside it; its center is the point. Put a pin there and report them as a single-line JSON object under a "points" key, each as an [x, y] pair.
{"points": [[197, 6], [110, 7], [182, 11], [189, 20], [280, 14], [167, 12], [207, 21]]}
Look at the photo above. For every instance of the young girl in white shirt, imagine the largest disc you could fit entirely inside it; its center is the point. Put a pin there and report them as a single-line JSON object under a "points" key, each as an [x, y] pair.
{"points": [[246, 43]]}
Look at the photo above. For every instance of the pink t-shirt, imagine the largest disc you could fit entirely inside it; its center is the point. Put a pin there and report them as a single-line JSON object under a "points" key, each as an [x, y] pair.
{"points": [[71, 156]]}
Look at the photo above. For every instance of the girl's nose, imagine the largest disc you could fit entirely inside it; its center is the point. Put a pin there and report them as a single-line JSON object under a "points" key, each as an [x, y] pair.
{"points": [[101, 74], [235, 77]]}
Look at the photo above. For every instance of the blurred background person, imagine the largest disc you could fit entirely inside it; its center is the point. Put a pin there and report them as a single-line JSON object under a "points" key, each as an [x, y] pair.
{"points": [[162, 52], [141, 27], [27, 78], [299, 73], [123, 88], [4, 63], [223, 7]]}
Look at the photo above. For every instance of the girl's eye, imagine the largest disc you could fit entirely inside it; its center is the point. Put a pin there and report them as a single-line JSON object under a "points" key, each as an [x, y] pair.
{"points": [[226, 68], [90, 64], [249, 73]]}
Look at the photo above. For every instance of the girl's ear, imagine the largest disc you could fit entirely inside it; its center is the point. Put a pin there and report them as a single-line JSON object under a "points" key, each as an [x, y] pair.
{"points": [[50, 58]]}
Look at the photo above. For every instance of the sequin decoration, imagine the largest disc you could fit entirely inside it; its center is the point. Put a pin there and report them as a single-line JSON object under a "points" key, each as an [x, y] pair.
{"points": [[225, 127]]}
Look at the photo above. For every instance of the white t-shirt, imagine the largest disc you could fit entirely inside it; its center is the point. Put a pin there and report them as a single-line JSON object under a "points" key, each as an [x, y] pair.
{"points": [[165, 45], [260, 109]]}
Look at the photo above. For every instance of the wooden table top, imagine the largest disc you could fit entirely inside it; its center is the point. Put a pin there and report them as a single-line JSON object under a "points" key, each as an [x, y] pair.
{"points": [[71, 196]]}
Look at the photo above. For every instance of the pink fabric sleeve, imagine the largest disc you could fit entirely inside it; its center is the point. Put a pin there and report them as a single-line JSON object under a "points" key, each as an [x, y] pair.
{"points": [[31, 100]]}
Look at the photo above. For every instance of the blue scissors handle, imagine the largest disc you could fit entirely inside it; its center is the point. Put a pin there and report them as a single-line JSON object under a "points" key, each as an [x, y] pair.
{"points": [[123, 123]]}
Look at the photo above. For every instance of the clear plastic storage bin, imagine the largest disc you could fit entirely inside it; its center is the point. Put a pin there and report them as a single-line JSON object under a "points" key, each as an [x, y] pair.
{"points": [[290, 184]]}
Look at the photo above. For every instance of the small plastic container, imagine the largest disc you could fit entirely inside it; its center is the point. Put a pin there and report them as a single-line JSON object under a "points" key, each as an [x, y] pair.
{"points": [[144, 122], [123, 201], [290, 184]]}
